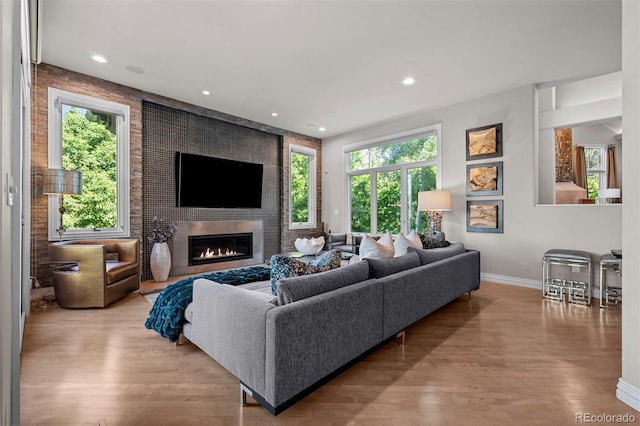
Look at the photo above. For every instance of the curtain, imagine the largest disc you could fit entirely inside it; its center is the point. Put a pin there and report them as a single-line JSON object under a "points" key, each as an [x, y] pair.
{"points": [[612, 180], [579, 167]]}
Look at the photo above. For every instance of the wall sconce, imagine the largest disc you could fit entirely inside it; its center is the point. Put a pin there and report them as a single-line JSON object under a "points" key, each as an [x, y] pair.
{"points": [[61, 182], [609, 194], [435, 202]]}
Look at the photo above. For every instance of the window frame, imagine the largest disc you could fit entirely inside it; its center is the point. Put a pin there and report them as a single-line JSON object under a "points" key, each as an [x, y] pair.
{"points": [[435, 129], [312, 202], [59, 97]]}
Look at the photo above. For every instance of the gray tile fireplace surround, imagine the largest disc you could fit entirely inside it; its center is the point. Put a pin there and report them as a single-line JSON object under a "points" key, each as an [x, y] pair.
{"points": [[180, 262]]}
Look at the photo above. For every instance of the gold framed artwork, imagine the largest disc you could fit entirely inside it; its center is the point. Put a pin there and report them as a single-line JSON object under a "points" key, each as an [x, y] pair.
{"points": [[485, 216], [484, 179], [484, 142]]}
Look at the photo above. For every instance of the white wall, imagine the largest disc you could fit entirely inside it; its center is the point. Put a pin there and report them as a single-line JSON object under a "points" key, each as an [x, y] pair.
{"points": [[629, 384], [529, 230]]}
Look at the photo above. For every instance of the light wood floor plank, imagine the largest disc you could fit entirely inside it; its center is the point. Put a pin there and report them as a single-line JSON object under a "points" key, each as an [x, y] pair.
{"points": [[507, 356]]}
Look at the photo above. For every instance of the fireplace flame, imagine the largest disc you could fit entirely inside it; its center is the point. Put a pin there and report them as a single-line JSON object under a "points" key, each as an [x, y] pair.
{"points": [[209, 253]]}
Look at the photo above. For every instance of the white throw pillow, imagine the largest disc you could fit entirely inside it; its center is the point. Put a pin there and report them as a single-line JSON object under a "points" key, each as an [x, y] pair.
{"points": [[372, 249], [415, 237], [387, 240], [401, 243]]}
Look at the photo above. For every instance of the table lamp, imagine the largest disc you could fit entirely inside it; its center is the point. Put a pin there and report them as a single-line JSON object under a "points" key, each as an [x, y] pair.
{"points": [[61, 182], [435, 202], [609, 194]]}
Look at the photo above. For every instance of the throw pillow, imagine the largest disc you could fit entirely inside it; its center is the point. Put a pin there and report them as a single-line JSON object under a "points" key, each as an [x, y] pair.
{"points": [[283, 266], [372, 249], [387, 240], [328, 260], [415, 237], [401, 243], [434, 240]]}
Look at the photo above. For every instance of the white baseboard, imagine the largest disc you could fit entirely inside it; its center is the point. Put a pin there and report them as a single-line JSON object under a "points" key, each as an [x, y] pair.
{"points": [[524, 282], [503, 279], [628, 394]]}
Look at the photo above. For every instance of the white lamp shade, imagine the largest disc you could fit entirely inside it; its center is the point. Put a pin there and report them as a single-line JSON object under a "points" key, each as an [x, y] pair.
{"points": [[434, 201], [609, 193]]}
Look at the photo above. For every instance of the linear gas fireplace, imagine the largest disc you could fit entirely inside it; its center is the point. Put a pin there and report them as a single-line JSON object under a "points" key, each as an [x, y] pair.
{"points": [[220, 248], [210, 246]]}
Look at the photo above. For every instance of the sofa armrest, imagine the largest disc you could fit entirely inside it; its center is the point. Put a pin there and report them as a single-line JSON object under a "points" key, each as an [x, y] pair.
{"points": [[230, 326]]}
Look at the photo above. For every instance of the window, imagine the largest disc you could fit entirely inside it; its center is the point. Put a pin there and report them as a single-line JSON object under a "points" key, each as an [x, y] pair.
{"points": [[385, 176], [92, 136], [302, 187], [596, 168]]}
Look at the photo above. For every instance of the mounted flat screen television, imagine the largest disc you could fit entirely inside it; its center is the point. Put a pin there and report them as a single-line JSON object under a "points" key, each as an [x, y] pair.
{"points": [[217, 183]]}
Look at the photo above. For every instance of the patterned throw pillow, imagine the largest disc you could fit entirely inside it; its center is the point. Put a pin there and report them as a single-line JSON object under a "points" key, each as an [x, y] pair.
{"points": [[284, 267], [328, 260], [435, 240]]}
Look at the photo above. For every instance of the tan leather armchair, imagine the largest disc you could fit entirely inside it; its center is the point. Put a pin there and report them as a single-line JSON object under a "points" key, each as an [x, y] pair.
{"points": [[94, 273]]}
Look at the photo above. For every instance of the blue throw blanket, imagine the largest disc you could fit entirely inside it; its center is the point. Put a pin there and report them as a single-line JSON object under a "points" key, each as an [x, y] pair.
{"points": [[167, 314]]}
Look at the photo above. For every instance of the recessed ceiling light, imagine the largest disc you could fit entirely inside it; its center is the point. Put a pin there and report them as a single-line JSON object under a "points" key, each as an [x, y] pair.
{"points": [[134, 69], [99, 58], [408, 81], [321, 129], [206, 92], [274, 114]]}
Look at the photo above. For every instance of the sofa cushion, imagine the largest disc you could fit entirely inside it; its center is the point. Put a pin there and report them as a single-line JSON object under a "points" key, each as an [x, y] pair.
{"points": [[372, 249], [379, 268], [284, 266], [300, 287], [401, 243], [435, 254], [266, 297]]}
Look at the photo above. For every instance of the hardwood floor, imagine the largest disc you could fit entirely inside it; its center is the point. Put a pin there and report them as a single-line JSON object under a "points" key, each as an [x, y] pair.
{"points": [[505, 357]]}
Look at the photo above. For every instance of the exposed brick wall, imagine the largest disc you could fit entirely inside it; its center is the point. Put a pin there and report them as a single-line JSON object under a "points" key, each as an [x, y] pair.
{"points": [[290, 235], [45, 76], [564, 155]]}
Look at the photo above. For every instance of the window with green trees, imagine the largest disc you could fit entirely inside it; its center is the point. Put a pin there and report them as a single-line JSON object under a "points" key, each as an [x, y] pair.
{"points": [[91, 136], [302, 187], [596, 168], [385, 178]]}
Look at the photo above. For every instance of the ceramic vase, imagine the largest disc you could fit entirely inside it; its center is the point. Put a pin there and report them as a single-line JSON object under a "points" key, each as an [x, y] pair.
{"points": [[160, 261]]}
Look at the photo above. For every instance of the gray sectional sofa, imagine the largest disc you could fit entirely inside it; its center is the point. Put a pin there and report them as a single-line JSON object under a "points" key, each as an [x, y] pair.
{"points": [[283, 348]]}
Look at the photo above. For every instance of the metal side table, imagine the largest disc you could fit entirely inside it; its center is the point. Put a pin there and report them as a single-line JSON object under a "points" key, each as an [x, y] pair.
{"points": [[610, 294], [555, 288]]}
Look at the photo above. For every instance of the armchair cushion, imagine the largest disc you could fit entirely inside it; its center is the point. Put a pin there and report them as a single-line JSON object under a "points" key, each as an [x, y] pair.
{"points": [[117, 271]]}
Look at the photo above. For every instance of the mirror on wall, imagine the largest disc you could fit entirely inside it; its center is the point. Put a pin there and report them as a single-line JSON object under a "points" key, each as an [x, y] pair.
{"points": [[579, 142]]}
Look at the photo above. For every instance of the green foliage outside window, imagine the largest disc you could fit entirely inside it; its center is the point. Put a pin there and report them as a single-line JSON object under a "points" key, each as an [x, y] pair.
{"points": [[299, 187], [89, 146], [361, 203], [388, 184]]}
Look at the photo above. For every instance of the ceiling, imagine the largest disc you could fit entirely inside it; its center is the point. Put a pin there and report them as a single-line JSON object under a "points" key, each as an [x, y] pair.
{"points": [[332, 64]]}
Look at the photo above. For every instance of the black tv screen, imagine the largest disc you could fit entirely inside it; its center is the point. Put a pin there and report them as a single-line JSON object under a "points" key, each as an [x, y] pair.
{"points": [[217, 183]]}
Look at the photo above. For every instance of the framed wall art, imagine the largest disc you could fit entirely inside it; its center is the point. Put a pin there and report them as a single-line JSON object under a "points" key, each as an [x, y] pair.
{"points": [[485, 216], [484, 142], [484, 179]]}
